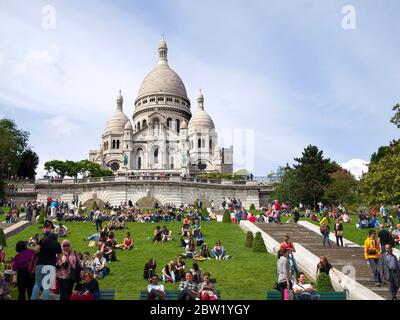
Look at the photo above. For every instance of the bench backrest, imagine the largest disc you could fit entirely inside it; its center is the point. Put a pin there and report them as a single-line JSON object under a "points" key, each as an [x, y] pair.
{"points": [[107, 294], [340, 295], [169, 295]]}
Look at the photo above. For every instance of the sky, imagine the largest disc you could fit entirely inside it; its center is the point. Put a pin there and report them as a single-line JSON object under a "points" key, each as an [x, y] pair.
{"points": [[276, 75]]}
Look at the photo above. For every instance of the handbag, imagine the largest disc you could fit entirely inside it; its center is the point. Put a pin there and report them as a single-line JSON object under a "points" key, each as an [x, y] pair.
{"points": [[339, 233], [75, 274], [288, 294], [32, 265], [371, 252]]}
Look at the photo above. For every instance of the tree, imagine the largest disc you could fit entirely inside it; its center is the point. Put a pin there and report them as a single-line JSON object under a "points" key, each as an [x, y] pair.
{"points": [[13, 142], [343, 190], [72, 169], [3, 241], [381, 183], [313, 175], [286, 190], [324, 283], [226, 217], [396, 118], [28, 165], [259, 245], [249, 239], [56, 166]]}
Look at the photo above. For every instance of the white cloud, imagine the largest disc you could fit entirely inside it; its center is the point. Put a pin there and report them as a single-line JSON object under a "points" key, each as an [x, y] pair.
{"points": [[62, 126], [356, 166]]}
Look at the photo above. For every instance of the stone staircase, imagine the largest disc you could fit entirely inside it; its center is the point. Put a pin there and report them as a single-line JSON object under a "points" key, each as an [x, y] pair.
{"points": [[340, 258]]}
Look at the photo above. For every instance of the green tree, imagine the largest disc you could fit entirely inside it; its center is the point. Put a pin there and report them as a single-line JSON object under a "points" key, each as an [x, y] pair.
{"points": [[226, 217], [381, 183], [324, 283], [259, 245], [396, 118], [249, 239], [342, 190], [28, 165], [13, 142], [286, 189], [313, 175], [57, 166]]}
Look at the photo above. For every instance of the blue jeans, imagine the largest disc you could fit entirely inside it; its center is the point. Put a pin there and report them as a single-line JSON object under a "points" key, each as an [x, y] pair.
{"points": [[218, 255], [307, 296], [373, 263], [325, 239], [39, 275], [95, 237]]}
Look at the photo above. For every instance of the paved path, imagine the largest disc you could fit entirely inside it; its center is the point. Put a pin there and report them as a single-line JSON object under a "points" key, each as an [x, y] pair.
{"points": [[338, 257]]}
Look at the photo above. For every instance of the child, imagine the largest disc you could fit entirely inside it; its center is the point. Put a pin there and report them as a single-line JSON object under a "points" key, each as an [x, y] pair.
{"points": [[4, 288], [9, 275]]}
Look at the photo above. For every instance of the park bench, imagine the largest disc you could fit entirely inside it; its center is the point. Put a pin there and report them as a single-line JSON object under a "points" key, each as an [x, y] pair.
{"points": [[169, 295], [107, 294], [340, 295]]}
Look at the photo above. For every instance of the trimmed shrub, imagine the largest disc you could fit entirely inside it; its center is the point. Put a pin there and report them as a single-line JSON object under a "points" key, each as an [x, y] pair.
{"points": [[249, 240], [259, 245], [204, 213], [252, 207], [42, 216], [94, 205], [226, 217], [3, 241], [324, 283], [195, 205]]}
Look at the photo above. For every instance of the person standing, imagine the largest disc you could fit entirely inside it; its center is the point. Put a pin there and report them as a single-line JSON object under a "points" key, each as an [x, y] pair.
{"points": [[283, 269], [97, 217], [20, 265], [389, 266], [383, 212], [338, 228], [325, 230], [48, 250], [67, 263], [372, 255], [384, 237]]}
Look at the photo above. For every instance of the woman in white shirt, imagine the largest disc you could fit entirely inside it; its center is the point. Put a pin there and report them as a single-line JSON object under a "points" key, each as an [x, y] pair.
{"points": [[99, 265]]}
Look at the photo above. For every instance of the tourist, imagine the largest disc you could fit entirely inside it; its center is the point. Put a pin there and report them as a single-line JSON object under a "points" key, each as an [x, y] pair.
{"points": [[389, 266], [108, 251], [196, 272], [252, 218], [47, 250], [168, 272], [87, 289], [99, 266], [218, 251], [204, 251], [304, 291], [157, 234], [20, 265], [150, 269], [346, 217], [155, 290], [287, 244], [188, 289], [338, 228], [68, 265], [127, 244], [325, 231], [166, 235], [207, 289], [199, 238], [384, 237], [383, 213], [296, 215], [86, 262], [372, 255], [190, 250], [284, 280], [4, 288], [98, 219], [180, 267], [61, 231], [324, 266]]}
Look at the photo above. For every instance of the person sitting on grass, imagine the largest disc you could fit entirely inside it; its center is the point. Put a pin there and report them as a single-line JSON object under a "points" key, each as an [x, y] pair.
{"points": [[4, 288], [212, 216], [199, 239], [99, 266], [150, 269], [86, 261], [304, 291], [157, 234], [180, 267], [218, 251], [188, 289], [166, 235], [205, 252], [127, 244], [190, 249], [168, 272], [87, 289], [207, 289], [108, 251], [196, 272], [185, 235], [155, 290], [61, 231]]}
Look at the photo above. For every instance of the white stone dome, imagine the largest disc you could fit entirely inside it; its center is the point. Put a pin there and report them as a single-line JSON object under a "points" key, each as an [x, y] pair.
{"points": [[162, 79], [184, 124], [117, 123], [201, 119], [128, 126]]}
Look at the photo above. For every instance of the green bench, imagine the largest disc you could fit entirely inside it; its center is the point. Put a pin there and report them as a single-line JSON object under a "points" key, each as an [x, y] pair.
{"points": [[340, 295], [107, 294], [169, 295]]}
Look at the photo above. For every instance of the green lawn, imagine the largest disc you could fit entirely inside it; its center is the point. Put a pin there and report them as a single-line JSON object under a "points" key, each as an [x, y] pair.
{"points": [[3, 216], [247, 275]]}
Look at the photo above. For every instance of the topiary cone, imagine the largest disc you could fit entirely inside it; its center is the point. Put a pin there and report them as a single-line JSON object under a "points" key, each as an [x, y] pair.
{"points": [[249, 239], [259, 245]]}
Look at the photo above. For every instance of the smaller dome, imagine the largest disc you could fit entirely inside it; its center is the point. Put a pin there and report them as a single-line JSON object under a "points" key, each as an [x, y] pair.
{"points": [[184, 124], [117, 123], [128, 126], [201, 120]]}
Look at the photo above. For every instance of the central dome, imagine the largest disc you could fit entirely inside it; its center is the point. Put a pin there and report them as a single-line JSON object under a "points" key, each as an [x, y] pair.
{"points": [[162, 79]]}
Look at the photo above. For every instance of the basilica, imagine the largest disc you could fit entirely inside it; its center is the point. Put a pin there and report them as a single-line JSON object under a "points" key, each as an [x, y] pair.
{"points": [[165, 135]]}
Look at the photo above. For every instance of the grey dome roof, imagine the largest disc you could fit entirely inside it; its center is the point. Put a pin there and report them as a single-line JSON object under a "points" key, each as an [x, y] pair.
{"points": [[117, 123], [201, 119], [128, 126]]}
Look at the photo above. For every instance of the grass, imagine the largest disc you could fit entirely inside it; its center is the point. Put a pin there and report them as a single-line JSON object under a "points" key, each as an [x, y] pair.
{"points": [[247, 275], [3, 216]]}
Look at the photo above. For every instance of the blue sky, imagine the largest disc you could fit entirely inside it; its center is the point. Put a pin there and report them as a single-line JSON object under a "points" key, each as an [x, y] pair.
{"points": [[278, 74]]}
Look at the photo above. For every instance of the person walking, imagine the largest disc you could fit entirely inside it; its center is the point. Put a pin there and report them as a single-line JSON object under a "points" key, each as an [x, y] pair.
{"points": [[21, 265], [338, 228], [283, 269], [97, 218], [390, 269], [325, 230], [372, 255]]}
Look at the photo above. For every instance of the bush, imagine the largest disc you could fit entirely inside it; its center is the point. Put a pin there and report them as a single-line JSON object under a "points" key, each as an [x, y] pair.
{"points": [[195, 205], [259, 245], [249, 240], [324, 283], [3, 241], [204, 213], [94, 205], [252, 207], [42, 216], [226, 217]]}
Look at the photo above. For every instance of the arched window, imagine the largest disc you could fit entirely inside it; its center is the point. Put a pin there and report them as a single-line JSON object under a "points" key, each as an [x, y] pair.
{"points": [[139, 163], [117, 144], [169, 120], [178, 125], [138, 126], [156, 156], [199, 143], [113, 145], [210, 143], [127, 146], [144, 123], [171, 162]]}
